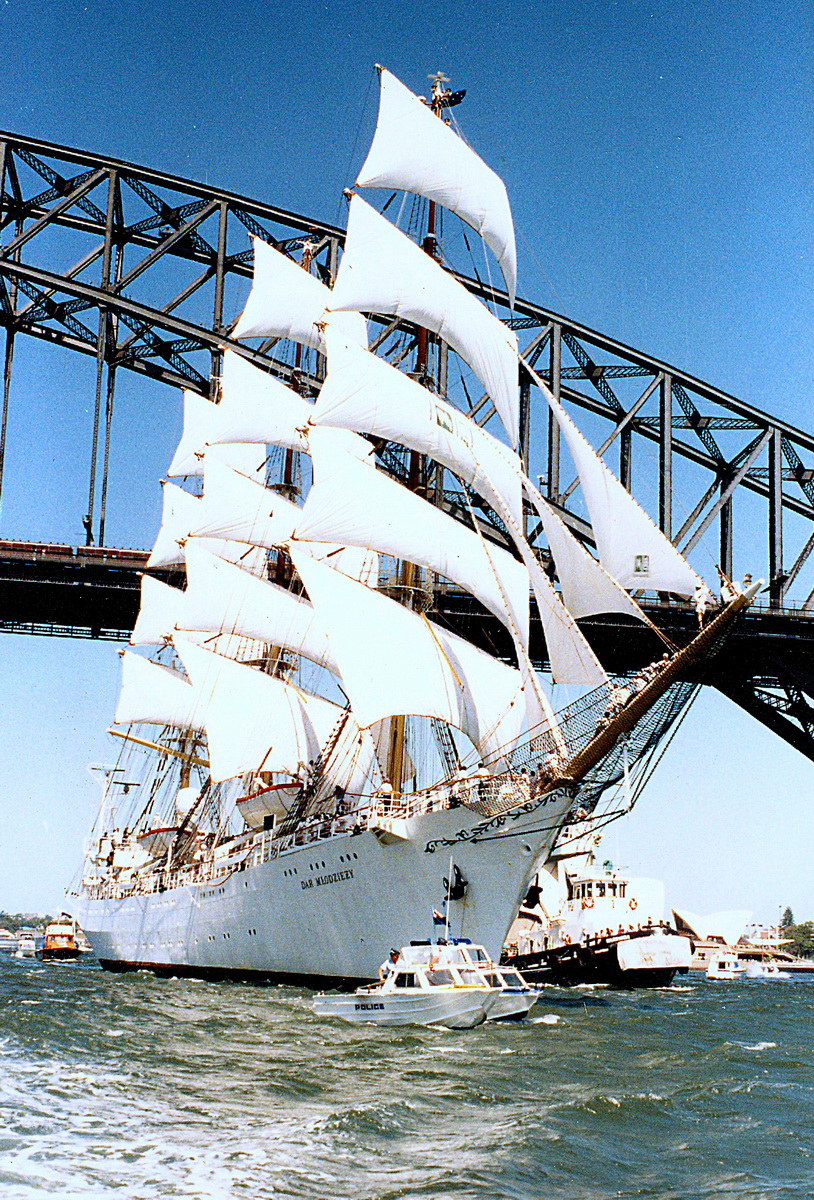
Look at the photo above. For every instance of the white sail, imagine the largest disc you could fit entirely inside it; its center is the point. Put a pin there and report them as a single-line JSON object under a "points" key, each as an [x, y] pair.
{"points": [[353, 561], [180, 512], [200, 415], [156, 695], [352, 504], [587, 588], [288, 302], [571, 658], [242, 509], [414, 151], [364, 393], [256, 407], [222, 597], [183, 512], [383, 271], [631, 547], [254, 721], [395, 662], [159, 612]]}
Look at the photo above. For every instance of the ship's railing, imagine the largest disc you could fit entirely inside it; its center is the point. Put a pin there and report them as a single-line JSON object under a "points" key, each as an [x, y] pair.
{"points": [[254, 847]]}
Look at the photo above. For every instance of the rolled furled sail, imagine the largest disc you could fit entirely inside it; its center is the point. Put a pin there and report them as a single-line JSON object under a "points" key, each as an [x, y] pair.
{"points": [[253, 721], [394, 662], [222, 597], [587, 588], [156, 695], [631, 547], [256, 407], [414, 151], [383, 271], [288, 302], [354, 505], [199, 415], [365, 393]]}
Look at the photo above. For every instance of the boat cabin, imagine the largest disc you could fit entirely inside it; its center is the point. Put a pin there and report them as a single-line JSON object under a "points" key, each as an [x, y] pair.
{"points": [[606, 887]]}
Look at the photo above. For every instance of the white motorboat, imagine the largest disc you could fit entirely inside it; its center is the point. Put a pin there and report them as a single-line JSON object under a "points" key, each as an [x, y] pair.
{"points": [[8, 942], [420, 989], [726, 966], [26, 947]]}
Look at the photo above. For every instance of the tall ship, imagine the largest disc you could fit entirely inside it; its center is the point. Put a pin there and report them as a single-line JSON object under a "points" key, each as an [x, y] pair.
{"points": [[313, 766]]}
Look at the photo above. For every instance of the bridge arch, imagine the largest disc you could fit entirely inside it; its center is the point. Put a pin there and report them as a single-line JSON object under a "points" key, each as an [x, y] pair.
{"points": [[140, 271]]}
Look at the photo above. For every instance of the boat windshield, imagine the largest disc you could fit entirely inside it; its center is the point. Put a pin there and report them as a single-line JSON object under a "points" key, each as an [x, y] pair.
{"points": [[478, 954], [405, 979], [440, 978], [471, 978], [512, 979]]}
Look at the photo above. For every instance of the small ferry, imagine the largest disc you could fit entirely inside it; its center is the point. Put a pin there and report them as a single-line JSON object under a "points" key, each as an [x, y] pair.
{"points": [[726, 966]]}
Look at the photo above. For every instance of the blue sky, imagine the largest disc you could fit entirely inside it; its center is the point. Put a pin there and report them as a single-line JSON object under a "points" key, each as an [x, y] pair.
{"points": [[658, 158]]}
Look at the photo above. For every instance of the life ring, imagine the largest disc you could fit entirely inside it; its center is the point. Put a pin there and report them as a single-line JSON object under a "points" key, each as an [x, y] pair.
{"points": [[566, 939], [588, 903], [634, 903]]}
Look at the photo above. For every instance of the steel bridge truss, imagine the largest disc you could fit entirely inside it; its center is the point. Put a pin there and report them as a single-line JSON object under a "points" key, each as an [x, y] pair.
{"points": [[158, 267]]}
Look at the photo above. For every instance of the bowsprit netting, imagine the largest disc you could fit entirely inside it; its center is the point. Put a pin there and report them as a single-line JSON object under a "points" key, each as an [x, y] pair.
{"points": [[537, 764]]}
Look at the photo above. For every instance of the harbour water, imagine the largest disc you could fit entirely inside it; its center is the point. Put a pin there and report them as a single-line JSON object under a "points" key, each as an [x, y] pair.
{"points": [[149, 1089]]}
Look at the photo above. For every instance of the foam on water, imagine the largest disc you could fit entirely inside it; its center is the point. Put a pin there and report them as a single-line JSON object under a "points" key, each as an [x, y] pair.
{"points": [[156, 1090]]}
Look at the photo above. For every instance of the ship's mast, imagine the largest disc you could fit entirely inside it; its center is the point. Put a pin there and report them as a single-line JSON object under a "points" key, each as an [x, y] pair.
{"points": [[440, 99]]}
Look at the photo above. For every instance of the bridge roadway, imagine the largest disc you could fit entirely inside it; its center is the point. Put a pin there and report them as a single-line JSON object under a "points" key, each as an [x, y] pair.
{"points": [[766, 665]]}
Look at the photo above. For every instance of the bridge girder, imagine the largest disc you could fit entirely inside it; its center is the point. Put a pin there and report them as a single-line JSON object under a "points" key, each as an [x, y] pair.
{"points": [[156, 262]]}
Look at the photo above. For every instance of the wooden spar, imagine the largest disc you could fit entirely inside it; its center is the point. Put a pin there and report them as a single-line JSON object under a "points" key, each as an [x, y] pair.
{"points": [[128, 737], [698, 649]]}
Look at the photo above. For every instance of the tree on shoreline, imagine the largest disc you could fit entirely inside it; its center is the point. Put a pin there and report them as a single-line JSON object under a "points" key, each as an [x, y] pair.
{"points": [[13, 922], [801, 939]]}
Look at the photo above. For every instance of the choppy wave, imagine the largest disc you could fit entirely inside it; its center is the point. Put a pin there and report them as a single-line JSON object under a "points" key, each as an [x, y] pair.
{"points": [[154, 1090]]}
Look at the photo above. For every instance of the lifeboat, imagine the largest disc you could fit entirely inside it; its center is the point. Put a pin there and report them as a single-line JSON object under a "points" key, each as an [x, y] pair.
{"points": [[258, 808]]}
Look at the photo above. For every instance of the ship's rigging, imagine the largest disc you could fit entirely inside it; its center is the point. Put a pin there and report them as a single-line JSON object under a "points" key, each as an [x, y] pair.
{"points": [[301, 687]]}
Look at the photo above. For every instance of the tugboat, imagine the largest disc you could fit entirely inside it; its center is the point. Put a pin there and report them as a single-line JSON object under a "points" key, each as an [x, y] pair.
{"points": [[580, 924], [64, 940]]}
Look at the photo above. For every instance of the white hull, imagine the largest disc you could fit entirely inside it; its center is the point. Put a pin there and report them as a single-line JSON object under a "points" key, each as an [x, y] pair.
{"points": [[512, 1006], [330, 911], [454, 1008]]}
